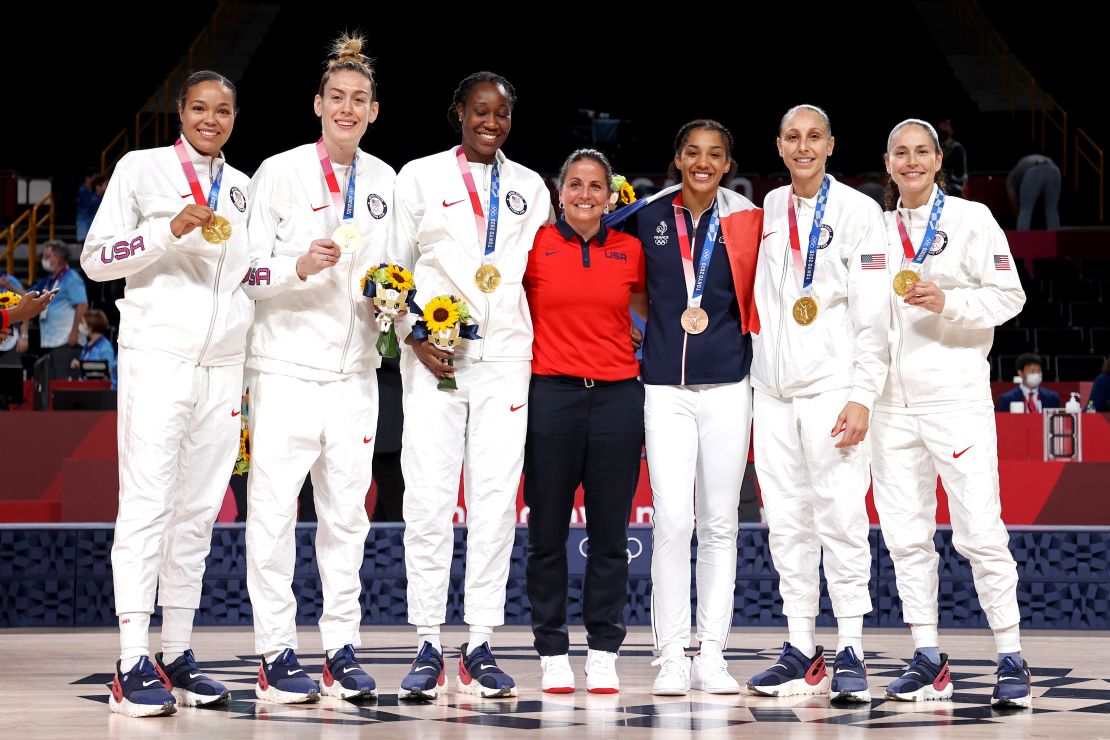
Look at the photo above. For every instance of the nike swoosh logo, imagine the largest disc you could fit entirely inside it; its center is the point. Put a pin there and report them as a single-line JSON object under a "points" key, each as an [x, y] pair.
{"points": [[348, 669], [150, 683], [485, 666], [367, 441], [1008, 678], [319, 208], [914, 673], [956, 455], [296, 671], [769, 234], [422, 668], [236, 413], [187, 195], [194, 675], [845, 670], [455, 203], [548, 254], [517, 408]]}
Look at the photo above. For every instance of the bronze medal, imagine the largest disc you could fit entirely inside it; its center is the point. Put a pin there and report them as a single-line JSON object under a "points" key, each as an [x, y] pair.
{"points": [[218, 232], [694, 320], [488, 278], [903, 281], [805, 310]]}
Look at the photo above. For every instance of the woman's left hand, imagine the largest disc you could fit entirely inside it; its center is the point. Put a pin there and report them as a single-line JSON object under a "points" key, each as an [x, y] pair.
{"points": [[852, 423]]}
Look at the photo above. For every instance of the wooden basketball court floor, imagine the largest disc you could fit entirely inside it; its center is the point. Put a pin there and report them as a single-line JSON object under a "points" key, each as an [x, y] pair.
{"points": [[55, 686]]}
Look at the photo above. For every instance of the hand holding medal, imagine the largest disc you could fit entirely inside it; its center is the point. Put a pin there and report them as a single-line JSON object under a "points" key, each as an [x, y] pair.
{"points": [[321, 254], [215, 229], [925, 295]]}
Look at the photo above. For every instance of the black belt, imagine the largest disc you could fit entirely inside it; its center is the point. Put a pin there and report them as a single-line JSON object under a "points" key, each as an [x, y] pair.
{"points": [[581, 382]]}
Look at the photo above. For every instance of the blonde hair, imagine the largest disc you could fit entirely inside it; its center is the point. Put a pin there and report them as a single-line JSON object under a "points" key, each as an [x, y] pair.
{"points": [[346, 55]]}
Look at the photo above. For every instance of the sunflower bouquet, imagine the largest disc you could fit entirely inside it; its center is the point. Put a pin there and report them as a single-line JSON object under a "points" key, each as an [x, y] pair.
{"points": [[9, 300], [623, 193], [446, 321], [392, 291]]}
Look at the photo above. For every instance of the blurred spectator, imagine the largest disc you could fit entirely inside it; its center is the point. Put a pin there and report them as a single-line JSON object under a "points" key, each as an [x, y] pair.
{"points": [[59, 334], [89, 196], [1100, 391], [955, 159], [1035, 177], [98, 346], [10, 282], [1029, 394], [872, 187]]}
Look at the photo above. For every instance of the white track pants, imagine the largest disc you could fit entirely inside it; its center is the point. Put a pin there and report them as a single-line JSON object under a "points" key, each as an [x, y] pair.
{"points": [[178, 441], [474, 430], [962, 447], [327, 428], [814, 496], [697, 449]]}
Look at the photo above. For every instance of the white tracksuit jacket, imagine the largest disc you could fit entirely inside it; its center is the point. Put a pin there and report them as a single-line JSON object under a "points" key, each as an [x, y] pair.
{"points": [[313, 389], [484, 422], [936, 416], [183, 326], [813, 493]]}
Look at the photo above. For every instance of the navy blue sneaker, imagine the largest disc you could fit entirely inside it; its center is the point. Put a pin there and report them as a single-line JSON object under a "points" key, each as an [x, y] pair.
{"points": [[427, 678], [284, 681], [188, 684], [1012, 689], [140, 692], [793, 674], [924, 680], [344, 677], [849, 678], [480, 676]]}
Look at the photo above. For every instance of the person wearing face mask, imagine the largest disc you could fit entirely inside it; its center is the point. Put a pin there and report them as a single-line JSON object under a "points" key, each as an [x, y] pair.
{"points": [[586, 423], [953, 283], [173, 223], [58, 325], [97, 347], [318, 222], [1032, 397], [821, 356], [700, 242], [466, 220]]}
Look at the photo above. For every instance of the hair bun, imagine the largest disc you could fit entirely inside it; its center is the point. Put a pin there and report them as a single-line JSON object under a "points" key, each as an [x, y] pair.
{"points": [[348, 48]]}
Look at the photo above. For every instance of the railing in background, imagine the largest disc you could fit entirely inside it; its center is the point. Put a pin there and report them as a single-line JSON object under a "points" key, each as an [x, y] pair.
{"points": [[31, 222], [1017, 84]]}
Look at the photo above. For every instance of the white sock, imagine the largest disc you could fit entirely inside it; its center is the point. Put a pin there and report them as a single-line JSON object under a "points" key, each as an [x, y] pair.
{"points": [[849, 633], [331, 653], [673, 650], [711, 649], [430, 635], [1008, 639], [925, 635], [803, 634], [134, 638], [478, 636], [177, 632]]}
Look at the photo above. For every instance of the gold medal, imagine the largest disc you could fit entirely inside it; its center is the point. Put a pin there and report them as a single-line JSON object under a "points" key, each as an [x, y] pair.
{"points": [[903, 281], [694, 320], [488, 278], [347, 238], [805, 310], [218, 232]]}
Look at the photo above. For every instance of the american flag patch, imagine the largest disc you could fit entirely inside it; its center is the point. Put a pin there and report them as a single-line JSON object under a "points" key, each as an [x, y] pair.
{"points": [[873, 261], [1002, 262]]}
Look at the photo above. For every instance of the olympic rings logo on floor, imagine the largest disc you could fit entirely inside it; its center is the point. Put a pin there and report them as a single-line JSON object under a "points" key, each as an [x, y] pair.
{"points": [[631, 556]]}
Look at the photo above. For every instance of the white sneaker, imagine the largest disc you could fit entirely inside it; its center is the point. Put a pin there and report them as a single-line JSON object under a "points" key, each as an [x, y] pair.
{"points": [[673, 678], [557, 677], [710, 674], [601, 673]]}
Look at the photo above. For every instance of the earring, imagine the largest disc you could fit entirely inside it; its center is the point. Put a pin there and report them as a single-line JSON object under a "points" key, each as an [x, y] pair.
{"points": [[606, 209], [561, 206]]}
